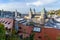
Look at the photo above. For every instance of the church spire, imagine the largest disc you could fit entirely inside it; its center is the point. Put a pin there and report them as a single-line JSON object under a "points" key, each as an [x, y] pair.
{"points": [[31, 10], [15, 13], [34, 12], [44, 13], [30, 13], [43, 16]]}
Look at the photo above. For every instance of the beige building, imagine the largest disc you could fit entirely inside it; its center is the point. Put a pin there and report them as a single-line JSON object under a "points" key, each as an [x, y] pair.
{"points": [[37, 18]]}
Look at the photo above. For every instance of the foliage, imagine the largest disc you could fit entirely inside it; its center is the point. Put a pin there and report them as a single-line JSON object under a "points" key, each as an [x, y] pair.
{"points": [[58, 37], [31, 23], [14, 32], [51, 13], [31, 37], [10, 37], [13, 36], [57, 12], [2, 32], [2, 28]]}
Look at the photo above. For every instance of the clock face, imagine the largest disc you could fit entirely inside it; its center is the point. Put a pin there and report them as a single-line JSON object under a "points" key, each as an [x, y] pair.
{"points": [[36, 29]]}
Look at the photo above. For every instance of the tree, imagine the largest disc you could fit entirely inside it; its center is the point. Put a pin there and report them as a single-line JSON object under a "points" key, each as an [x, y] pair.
{"points": [[2, 32], [31, 23], [31, 37]]}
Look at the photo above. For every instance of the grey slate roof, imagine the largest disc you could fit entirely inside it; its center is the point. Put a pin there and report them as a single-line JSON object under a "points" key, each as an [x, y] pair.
{"points": [[53, 23]]}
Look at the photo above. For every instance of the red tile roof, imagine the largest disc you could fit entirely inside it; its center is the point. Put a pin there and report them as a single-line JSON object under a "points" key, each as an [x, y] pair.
{"points": [[7, 22]]}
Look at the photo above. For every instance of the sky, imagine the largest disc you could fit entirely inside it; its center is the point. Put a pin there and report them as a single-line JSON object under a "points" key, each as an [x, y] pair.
{"points": [[23, 6]]}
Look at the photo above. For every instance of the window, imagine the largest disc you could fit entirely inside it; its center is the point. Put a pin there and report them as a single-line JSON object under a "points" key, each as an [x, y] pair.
{"points": [[9, 23], [37, 29], [5, 22], [20, 28]]}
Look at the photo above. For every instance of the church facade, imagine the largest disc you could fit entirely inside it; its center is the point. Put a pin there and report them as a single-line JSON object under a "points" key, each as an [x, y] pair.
{"points": [[37, 18]]}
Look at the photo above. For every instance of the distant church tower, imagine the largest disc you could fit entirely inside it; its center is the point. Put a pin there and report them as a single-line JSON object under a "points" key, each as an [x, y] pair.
{"points": [[44, 13], [30, 13], [34, 12], [16, 13], [43, 16]]}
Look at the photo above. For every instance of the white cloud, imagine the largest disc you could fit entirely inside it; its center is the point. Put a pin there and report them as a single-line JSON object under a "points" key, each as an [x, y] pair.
{"points": [[41, 2], [12, 6], [37, 3]]}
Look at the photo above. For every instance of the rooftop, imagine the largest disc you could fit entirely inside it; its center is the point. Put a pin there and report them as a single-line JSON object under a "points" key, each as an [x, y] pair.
{"points": [[54, 23]]}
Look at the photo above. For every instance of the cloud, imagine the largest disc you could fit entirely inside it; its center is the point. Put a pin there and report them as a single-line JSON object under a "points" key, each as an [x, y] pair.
{"points": [[41, 2], [24, 5], [37, 3], [12, 6]]}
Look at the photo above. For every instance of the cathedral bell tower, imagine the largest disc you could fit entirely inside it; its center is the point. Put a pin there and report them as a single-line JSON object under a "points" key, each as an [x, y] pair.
{"points": [[34, 12], [43, 16], [30, 14]]}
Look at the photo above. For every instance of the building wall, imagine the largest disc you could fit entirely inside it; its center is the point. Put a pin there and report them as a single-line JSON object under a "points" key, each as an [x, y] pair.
{"points": [[45, 34], [7, 22]]}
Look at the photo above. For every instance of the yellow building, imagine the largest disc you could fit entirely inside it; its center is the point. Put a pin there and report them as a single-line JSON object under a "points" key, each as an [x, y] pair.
{"points": [[37, 18]]}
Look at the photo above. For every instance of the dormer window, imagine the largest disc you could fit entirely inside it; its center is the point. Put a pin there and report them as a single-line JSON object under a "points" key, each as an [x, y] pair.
{"points": [[37, 29], [9, 23], [5, 22]]}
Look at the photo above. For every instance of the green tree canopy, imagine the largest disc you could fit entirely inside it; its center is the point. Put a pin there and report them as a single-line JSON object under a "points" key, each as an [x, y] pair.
{"points": [[2, 32]]}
